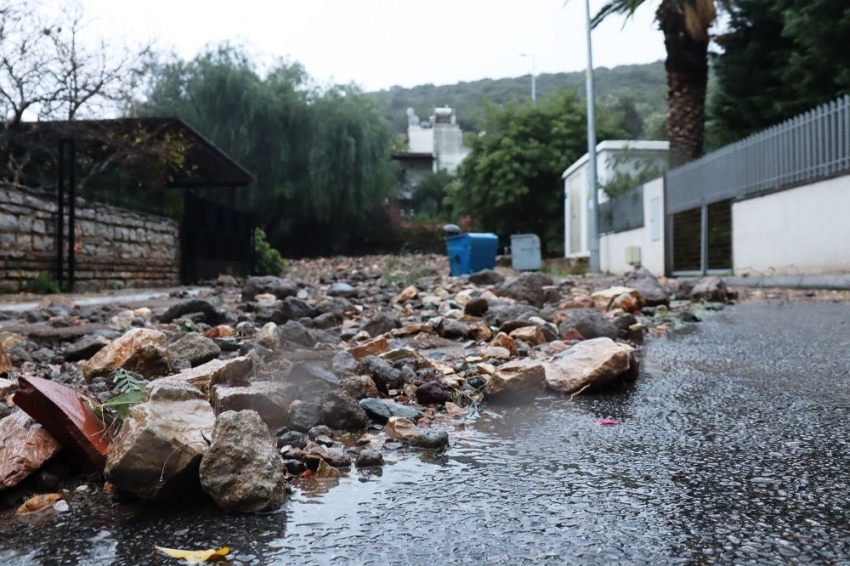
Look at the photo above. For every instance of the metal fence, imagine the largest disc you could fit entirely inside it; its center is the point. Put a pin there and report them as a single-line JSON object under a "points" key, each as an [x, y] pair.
{"points": [[812, 146], [622, 213]]}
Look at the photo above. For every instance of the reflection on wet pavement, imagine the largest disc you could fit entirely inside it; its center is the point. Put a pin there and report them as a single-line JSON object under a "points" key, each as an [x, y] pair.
{"points": [[732, 449]]}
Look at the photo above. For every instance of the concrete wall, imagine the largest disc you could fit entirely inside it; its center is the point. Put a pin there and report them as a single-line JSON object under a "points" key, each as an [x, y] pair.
{"points": [[650, 238], [114, 247], [802, 230]]}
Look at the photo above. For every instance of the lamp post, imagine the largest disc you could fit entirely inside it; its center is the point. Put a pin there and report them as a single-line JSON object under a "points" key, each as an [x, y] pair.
{"points": [[593, 223], [533, 77]]}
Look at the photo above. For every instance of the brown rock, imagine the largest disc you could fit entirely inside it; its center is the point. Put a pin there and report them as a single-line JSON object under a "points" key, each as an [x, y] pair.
{"points": [[626, 302], [5, 363], [592, 362], [399, 428], [221, 331], [572, 334], [520, 376], [210, 374], [496, 352], [24, 447], [64, 414], [414, 328], [374, 347], [142, 350], [531, 335], [578, 303], [408, 294], [603, 299], [502, 340], [479, 332], [360, 386]]}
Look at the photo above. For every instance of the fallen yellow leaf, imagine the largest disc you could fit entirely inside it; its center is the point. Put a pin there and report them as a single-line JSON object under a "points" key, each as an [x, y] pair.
{"points": [[38, 503], [194, 556]]}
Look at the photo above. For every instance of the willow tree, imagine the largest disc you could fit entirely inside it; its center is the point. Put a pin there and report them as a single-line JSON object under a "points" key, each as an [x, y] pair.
{"points": [[685, 25]]}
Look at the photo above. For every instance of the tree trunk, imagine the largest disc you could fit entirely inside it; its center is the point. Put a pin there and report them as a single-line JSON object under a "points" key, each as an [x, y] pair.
{"points": [[687, 77]]}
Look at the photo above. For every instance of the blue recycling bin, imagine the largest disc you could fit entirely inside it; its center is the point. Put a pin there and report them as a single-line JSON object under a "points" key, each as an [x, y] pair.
{"points": [[470, 253]]}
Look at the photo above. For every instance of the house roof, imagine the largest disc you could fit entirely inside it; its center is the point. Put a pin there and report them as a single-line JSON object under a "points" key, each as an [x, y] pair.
{"points": [[618, 145], [208, 166]]}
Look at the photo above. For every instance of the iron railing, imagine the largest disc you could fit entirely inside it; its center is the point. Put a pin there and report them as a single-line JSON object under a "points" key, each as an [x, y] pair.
{"points": [[812, 146], [622, 213]]}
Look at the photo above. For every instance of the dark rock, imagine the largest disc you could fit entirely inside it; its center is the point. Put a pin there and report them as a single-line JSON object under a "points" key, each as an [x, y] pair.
{"points": [[643, 281], [85, 348], [305, 416], [527, 287], [43, 356], [476, 307], [369, 458], [497, 315], [312, 381], [380, 410], [268, 312], [381, 323], [386, 376], [624, 321], [295, 467], [430, 439], [648, 311], [195, 348], [486, 277], [241, 470], [343, 364], [341, 411], [62, 413], [342, 290], [320, 430], [294, 309], [512, 325], [17, 356], [280, 288], [247, 347], [314, 452], [296, 334], [589, 323], [432, 392], [452, 329], [210, 314], [711, 289], [360, 386], [268, 399], [292, 438], [326, 321]]}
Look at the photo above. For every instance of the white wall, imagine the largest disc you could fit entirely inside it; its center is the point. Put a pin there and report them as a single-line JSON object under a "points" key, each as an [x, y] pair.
{"points": [[650, 238], [802, 230]]}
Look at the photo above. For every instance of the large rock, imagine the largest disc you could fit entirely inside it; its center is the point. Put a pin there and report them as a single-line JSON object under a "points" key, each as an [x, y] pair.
{"points": [[360, 386], [519, 377], [602, 299], [528, 286], [85, 348], [294, 308], [381, 323], [195, 348], [280, 288], [242, 470], [590, 363], [65, 415], [294, 333], [498, 315], [343, 364], [341, 411], [268, 399], [210, 315], [486, 277], [141, 350], [432, 392], [341, 290], [210, 374], [158, 449], [476, 307], [24, 447], [380, 410], [647, 285], [711, 289], [398, 428], [312, 381], [304, 415], [590, 323]]}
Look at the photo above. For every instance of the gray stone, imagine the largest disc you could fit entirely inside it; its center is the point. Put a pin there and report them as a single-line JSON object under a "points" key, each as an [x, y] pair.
{"points": [[312, 381], [369, 458], [452, 329], [280, 288], [711, 289], [341, 411], [292, 438], [268, 399], [326, 321], [589, 323], [432, 392], [381, 323], [528, 287], [380, 410], [304, 415], [294, 333], [314, 452], [486, 277], [242, 470], [342, 290], [360, 386], [210, 314], [386, 376], [343, 364], [498, 315], [643, 281], [294, 309], [85, 348], [195, 348]]}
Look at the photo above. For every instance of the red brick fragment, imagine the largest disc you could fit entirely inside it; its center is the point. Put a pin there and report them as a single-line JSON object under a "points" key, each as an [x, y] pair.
{"points": [[66, 416]]}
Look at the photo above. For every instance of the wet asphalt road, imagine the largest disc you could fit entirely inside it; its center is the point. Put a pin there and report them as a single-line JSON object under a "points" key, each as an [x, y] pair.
{"points": [[732, 449]]}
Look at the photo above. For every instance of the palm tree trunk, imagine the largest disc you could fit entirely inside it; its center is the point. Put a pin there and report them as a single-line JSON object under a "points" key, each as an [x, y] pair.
{"points": [[687, 77]]}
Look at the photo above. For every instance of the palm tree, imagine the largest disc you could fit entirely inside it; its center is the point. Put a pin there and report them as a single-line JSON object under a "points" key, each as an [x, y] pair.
{"points": [[685, 25]]}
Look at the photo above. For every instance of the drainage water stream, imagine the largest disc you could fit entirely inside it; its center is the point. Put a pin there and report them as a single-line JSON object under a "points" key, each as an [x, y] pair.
{"points": [[732, 448]]}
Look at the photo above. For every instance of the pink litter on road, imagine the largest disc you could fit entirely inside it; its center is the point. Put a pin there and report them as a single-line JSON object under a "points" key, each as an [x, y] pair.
{"points": [[602, 422]]}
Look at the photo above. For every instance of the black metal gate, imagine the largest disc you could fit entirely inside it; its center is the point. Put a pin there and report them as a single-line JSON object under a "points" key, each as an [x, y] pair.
{"points": [[215, 239], [700, 239]]}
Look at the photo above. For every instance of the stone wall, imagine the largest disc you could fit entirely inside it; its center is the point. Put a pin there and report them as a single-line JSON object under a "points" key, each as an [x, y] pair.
{"points": [[115, 248]]}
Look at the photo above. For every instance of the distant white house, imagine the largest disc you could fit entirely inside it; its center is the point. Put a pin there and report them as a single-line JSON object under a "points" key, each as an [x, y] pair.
{"points": [[439, 136], [612, 157]]}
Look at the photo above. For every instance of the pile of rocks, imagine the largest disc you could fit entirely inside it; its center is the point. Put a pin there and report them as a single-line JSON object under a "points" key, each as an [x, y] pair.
{"points": [[241, 389]]}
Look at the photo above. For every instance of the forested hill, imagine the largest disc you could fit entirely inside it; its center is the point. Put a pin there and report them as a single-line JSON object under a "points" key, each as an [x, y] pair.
{"points": [[646, 83]]}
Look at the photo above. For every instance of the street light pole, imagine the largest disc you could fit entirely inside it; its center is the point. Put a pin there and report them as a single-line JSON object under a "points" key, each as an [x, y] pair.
{"points": [[593, 223], [533, 77]]}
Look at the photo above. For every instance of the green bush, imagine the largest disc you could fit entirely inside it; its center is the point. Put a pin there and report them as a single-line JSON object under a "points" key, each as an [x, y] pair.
{"points": [[268, 259], [44, 284]]}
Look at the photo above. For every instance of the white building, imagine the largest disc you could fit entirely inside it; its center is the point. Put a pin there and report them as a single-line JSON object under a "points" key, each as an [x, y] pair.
{"points": [[439, 136], [612, 157]]}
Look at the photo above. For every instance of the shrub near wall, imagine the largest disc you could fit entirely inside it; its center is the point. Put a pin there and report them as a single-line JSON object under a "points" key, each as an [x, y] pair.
{"points": [[114, 247]]}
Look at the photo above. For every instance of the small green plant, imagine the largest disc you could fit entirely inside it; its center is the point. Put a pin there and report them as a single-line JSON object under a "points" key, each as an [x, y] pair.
{"points": [[132, 392], [268, 259], [44, 284], [124, 382], [184, 324]]}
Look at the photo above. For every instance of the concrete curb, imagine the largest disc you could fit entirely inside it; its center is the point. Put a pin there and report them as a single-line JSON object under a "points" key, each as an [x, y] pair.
{"points": [[837, 281]]}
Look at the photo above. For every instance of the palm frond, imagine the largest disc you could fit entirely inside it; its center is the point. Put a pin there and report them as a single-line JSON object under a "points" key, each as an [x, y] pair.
{"points": [[615, 7]]}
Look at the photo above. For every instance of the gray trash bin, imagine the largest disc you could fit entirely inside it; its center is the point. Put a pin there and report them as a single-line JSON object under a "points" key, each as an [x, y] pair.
{"points": [[525, 252]]}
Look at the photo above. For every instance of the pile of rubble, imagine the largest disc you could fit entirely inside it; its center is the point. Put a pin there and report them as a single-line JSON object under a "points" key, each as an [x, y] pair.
{"points": [[238, 390]]}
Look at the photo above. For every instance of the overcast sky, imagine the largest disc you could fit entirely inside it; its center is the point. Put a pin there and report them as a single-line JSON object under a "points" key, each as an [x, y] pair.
{"points": [[381, 43]]}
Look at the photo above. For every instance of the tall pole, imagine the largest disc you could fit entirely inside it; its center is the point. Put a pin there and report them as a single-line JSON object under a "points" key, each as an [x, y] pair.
{"points": [[593, 225]]}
